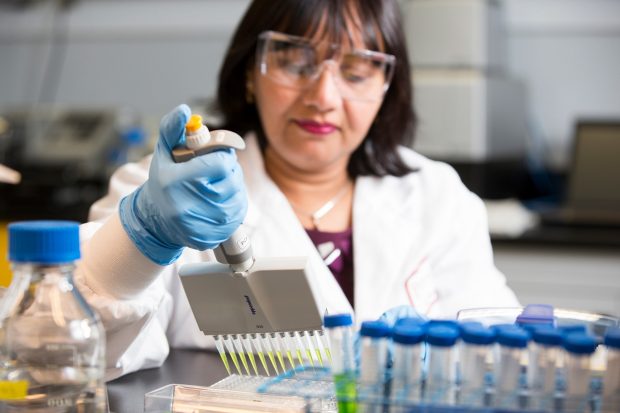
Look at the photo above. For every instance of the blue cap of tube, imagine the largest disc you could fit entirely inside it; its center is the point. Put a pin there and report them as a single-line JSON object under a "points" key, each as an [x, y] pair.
{"points": [[376, 329], [442, 335], [337, 320], [574, 328], [406, 321], [512, 337], [547, 335], [44, 242], [612, 338], [439, 322], [408, 333], [579, 343], [475, 333]]}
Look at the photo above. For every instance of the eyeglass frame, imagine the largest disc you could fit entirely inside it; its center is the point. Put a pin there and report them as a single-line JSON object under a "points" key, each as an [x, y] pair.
{"points": [[388, 59]]}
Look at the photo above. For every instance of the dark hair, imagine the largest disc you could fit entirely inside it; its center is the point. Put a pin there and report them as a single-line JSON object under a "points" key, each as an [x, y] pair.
{"points": [[395, 121]]}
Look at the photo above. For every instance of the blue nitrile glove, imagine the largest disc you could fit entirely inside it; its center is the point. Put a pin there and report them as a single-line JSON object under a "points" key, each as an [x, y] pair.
{"points": [[405, 313], [394, 314], [196, 204]]}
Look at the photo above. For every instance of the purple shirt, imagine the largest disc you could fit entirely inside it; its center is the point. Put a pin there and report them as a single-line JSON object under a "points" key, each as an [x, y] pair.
{"points": [[336, 248]]}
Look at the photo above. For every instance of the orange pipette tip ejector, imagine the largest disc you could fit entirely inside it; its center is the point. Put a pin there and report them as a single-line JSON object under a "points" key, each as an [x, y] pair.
{"points": [[194, 123]]}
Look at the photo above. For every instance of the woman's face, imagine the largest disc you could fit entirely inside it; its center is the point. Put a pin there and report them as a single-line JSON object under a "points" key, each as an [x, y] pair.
{"points": [[314, 129]]}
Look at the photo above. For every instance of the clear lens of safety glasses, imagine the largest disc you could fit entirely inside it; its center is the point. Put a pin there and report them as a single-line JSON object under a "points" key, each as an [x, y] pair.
{"points": [[294, 62]]}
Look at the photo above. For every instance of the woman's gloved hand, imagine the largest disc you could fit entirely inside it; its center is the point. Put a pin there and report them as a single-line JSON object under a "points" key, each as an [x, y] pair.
{"points": [[394, 314], [196, 204]]}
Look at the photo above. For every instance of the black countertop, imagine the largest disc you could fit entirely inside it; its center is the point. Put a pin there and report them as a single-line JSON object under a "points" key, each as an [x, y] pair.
{"points": [[565, 235], [195, 367]]}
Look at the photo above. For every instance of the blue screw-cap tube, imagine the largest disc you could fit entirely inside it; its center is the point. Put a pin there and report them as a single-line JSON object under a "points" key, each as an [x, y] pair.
{"points": [[440, 377], [611, 378], [512, 350], [579, 348], [339, 328], [543, 358], [374, 336], [475, 356], [407, 362]]}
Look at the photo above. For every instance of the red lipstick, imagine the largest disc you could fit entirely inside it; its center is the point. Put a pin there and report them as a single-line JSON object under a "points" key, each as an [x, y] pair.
{"points": [[316, 128]]}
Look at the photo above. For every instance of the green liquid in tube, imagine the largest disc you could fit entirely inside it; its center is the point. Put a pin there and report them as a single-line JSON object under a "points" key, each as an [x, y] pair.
{"points": [[345, 392]]}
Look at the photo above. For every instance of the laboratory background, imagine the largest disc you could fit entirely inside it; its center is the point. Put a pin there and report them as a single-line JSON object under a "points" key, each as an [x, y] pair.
{"points": [[520, 96]]}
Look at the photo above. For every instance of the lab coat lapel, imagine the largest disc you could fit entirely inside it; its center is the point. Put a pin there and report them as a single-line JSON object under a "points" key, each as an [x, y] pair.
{"points": [[390, 255]]}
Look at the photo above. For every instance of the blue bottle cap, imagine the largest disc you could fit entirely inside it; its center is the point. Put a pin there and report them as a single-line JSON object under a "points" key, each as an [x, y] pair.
{"points": [[44, 242], [442, 335], [475, 333], [547, 335], [579, 343], [337, 320], [512, 337], [408, 334], [612, 338], [376, 329]]}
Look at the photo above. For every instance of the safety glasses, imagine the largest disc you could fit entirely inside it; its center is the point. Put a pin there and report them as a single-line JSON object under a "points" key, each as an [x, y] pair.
{"points": [[296, 63]]}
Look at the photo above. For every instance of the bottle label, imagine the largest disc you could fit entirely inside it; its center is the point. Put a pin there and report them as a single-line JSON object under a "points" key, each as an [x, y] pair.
{"points": [[13, 390]]}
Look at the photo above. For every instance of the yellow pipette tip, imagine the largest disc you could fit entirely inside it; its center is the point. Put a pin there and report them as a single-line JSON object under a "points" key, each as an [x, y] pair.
{"points": [[329, 354], [253, 362], [290, 359], [261, 356], [309, 354], [281, 360], [225, 360], [318, 356], [300, 358], [273, 362], [236, 363], [244, 362]]}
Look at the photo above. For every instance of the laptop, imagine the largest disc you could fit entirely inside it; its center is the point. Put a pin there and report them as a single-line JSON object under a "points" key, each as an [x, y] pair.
{"points": [[593, 186]]}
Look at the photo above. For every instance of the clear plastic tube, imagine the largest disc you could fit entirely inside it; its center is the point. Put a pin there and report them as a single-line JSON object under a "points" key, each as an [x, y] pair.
{"points": [[475, 358], [339, 329], [611, 377], [543, 359], [511, 354], [440, 377], [407, 362], [577, 372]]}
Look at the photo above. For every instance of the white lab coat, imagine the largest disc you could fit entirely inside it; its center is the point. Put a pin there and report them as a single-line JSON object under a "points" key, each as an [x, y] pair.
{"points": [[421, 239]]}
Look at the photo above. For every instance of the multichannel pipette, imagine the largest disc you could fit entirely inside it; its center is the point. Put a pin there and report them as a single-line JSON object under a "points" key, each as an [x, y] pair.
{"points": [[250, 305]]}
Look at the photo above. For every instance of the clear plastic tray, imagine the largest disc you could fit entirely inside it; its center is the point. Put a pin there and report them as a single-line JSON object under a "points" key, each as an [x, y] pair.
{"points": [[180, 398], [596, 324]]}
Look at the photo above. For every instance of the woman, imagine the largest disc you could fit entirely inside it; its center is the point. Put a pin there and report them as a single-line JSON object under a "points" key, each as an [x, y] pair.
{"points": [[321, 91]]}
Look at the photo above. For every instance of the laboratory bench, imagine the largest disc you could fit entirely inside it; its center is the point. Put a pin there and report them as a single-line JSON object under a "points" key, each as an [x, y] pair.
{"points": [[183, 366], [565, 266]]}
